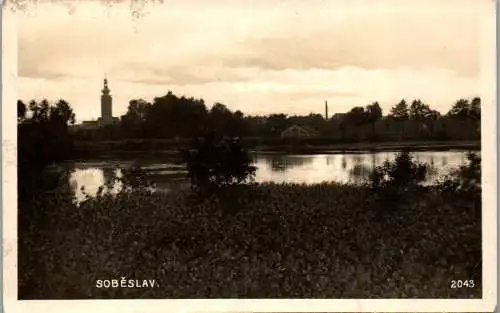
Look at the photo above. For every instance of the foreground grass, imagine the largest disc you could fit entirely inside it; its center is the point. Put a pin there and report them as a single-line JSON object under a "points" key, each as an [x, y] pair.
{"points": [[276, 241]]}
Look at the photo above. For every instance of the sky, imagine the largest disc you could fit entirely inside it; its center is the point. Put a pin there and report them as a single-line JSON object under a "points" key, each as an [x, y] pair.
{"points": [[256, 56]]}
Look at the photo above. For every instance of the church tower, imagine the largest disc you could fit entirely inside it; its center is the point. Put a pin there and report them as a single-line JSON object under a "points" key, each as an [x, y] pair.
{"points": [[326, 110], [106, 104]]}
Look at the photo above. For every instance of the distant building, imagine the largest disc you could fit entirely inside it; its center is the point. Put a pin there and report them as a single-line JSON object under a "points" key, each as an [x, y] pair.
{"points": [[106, 112], [89, 125], [106, 105], [296, 131], [338, 116]]}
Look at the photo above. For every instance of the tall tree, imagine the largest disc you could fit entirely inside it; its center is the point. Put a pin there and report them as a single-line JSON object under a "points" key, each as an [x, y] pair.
{"points": [[460, 109], [221, 119], [171, 116], [356, 116], [21, 111], [62, 112], [133, 122], [373, 113], [43, 138], [400, 111], [475, 109], [399, 114], [463, 109], [419, 110], [420, 113]]}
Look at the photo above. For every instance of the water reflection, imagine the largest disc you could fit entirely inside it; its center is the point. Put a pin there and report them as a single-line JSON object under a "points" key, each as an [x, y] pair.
{"points": [[444, 161], [353, 168], [109, 177], [281, 163], [359, 173]]}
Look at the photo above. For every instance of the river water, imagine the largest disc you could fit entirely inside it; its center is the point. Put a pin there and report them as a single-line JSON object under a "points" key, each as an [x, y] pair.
{"points": [[293, 168]]}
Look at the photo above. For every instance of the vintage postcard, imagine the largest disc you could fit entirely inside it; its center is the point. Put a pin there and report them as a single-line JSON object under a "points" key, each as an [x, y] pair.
{"points": [[249, 156]]}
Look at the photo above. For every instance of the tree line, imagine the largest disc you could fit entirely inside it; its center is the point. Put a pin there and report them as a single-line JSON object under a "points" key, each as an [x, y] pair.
{"points": [[172, 116]]}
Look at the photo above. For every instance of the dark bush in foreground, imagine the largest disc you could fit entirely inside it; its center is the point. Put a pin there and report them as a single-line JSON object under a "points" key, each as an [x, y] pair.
{"points": [[464, 184], [466, 180], [393, 182], [215, 163]]}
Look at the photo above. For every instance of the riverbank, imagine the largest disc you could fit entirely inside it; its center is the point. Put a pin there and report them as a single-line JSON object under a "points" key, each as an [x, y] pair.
{"points": [[269, 241], [168, 148], [364, 147]]}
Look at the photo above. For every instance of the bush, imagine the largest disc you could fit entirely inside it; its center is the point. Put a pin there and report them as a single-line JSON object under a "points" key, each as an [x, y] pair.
{"points": [[214, 163], [393, 181], [464, 182]]}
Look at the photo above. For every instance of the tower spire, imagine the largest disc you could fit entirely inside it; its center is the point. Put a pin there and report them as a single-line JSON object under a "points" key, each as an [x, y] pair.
{"points": [[105, 90], [326, 110]]}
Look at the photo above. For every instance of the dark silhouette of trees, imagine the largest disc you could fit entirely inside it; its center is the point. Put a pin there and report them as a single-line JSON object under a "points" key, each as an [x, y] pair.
{"points": [[21, 111], [463, 109], [179, 118], [475, 109], [133, 122], [275, 124], [373, 113], [400, 111], [171, 116], [399, 114], [43, 139], [419, 111], [356, 116], [222, 120]]}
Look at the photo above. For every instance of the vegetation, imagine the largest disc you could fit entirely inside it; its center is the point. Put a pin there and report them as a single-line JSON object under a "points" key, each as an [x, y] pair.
{"points": [[279, 241], [284, 241], [215, 163], [43, 140], [465, 183], [392, 182], [174, 117]]}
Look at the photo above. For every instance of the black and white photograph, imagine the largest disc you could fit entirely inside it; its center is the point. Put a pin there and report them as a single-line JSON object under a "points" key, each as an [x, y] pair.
{"points": [[251, 150]]}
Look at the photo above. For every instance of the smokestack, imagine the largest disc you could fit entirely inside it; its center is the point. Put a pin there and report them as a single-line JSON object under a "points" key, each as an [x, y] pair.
{"points": [[326, 110]]}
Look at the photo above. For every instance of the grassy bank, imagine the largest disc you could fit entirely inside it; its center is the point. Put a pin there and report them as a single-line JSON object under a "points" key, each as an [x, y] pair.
{"points": [[275, 241], [169, 148]]}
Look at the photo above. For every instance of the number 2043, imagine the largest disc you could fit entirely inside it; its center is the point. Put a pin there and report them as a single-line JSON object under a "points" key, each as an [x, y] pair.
{"points": [[462, 284]]}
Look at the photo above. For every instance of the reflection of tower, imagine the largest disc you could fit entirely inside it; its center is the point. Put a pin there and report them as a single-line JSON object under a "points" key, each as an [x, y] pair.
{"points": [[106, 104], [326, 110], [344, 162]]}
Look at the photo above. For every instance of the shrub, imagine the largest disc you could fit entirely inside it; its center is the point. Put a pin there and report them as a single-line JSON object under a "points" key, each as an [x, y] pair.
{"points": [[214, 163], [464, 182], [135, 178], [393, 181]]}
